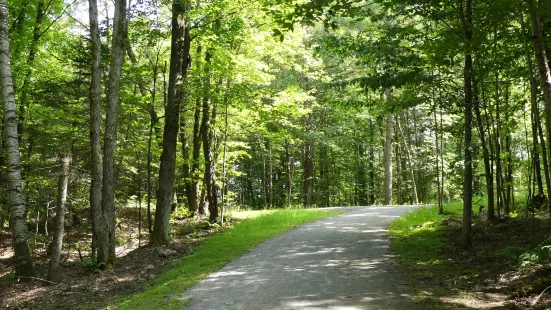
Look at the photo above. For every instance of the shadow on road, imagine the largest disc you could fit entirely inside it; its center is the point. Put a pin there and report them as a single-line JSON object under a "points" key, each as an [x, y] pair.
{"points": [[336, 263]]}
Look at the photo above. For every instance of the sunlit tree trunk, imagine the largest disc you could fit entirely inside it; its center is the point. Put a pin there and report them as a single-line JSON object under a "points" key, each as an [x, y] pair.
{"points": [[63, 184], [18, 212]]}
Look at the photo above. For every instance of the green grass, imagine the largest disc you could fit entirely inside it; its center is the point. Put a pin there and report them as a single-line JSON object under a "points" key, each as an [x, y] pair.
{"points": [[417, 237], [216, 252]]}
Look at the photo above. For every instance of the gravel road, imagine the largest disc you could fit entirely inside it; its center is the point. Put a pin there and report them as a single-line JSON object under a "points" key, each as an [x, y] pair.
{"points": [[335, 263]]}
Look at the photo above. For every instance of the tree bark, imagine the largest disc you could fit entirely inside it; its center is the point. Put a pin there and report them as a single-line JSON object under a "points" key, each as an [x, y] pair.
{"points": [[106, 251], [179, 64], [194, 187], [99, 230], [388, 159], [63, 184], [224, 177], [18, 212], [466, 232]]}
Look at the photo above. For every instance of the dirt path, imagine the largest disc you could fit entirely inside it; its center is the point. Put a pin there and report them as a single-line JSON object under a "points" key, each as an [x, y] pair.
{"points": [[336, 263]]}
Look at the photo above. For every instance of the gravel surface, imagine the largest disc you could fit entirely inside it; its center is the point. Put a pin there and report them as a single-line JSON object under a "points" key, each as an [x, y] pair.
{"points": [[335, 263]]}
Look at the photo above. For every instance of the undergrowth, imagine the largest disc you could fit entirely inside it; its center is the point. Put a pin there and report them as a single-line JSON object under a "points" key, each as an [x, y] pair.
{"points": [[510, 257]]}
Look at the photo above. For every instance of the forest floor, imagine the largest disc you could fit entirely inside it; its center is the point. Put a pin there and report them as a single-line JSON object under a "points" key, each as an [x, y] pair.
{"points": [[508, 267], [81, 286]]}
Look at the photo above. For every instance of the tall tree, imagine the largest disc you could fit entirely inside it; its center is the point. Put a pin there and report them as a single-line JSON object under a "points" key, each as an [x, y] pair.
{"points": [[209, 113], [99, 230], [18, 212], [179, 64], [467, 20], [106, 250]]}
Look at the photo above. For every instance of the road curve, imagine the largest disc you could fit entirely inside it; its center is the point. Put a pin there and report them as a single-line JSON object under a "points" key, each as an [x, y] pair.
{"points": [[335, 263]]}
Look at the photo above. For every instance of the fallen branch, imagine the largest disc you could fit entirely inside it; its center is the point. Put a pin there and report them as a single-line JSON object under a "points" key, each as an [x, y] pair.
{"points": [[537, 299], [39, 279]]}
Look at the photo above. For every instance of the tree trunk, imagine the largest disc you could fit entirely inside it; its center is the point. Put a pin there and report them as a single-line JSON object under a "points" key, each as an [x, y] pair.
{"points": [[288, 163], [63, 184], [186, 165], [179, 64], [152, 122], [388, 159], [99, 229], [545, 75], [361, 176], [106, 251], [224, 177], [371, 194], [194, 187], [486, 155], [191, 165], [466, 233], [308, 174], [410, 163], [18, 213], [538, 41], [207, 134], [437, 155], [508, 189], [497, 138], [271, 176]]}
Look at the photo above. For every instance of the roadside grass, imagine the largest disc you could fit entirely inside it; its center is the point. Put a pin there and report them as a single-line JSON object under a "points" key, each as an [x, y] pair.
{"points": [[417, 235], [422, 239], [218, 250]]}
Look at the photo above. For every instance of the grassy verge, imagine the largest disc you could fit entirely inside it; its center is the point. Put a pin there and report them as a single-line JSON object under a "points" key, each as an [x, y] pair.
{"points": [[417, 235], [216, 252], [422, 241]]}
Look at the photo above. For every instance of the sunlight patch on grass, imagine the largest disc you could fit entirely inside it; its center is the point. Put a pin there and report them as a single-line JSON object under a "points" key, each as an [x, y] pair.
{"points": [[163, 292], [417, 235], [249, 214]]}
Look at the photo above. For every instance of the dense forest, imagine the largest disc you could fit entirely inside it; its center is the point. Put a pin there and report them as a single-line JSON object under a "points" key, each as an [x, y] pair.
{"points": [[194, 108]]}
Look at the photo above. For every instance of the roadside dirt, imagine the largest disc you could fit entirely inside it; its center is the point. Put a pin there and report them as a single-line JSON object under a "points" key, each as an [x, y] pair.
{"points": [[83, 288]]}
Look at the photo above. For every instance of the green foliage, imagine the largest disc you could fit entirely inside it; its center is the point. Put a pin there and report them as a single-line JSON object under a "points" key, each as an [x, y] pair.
{"points": [[523, 258]]}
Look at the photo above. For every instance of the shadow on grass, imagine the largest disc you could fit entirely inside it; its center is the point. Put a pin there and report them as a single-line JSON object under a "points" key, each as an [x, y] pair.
{"points": [[445, 276]]}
